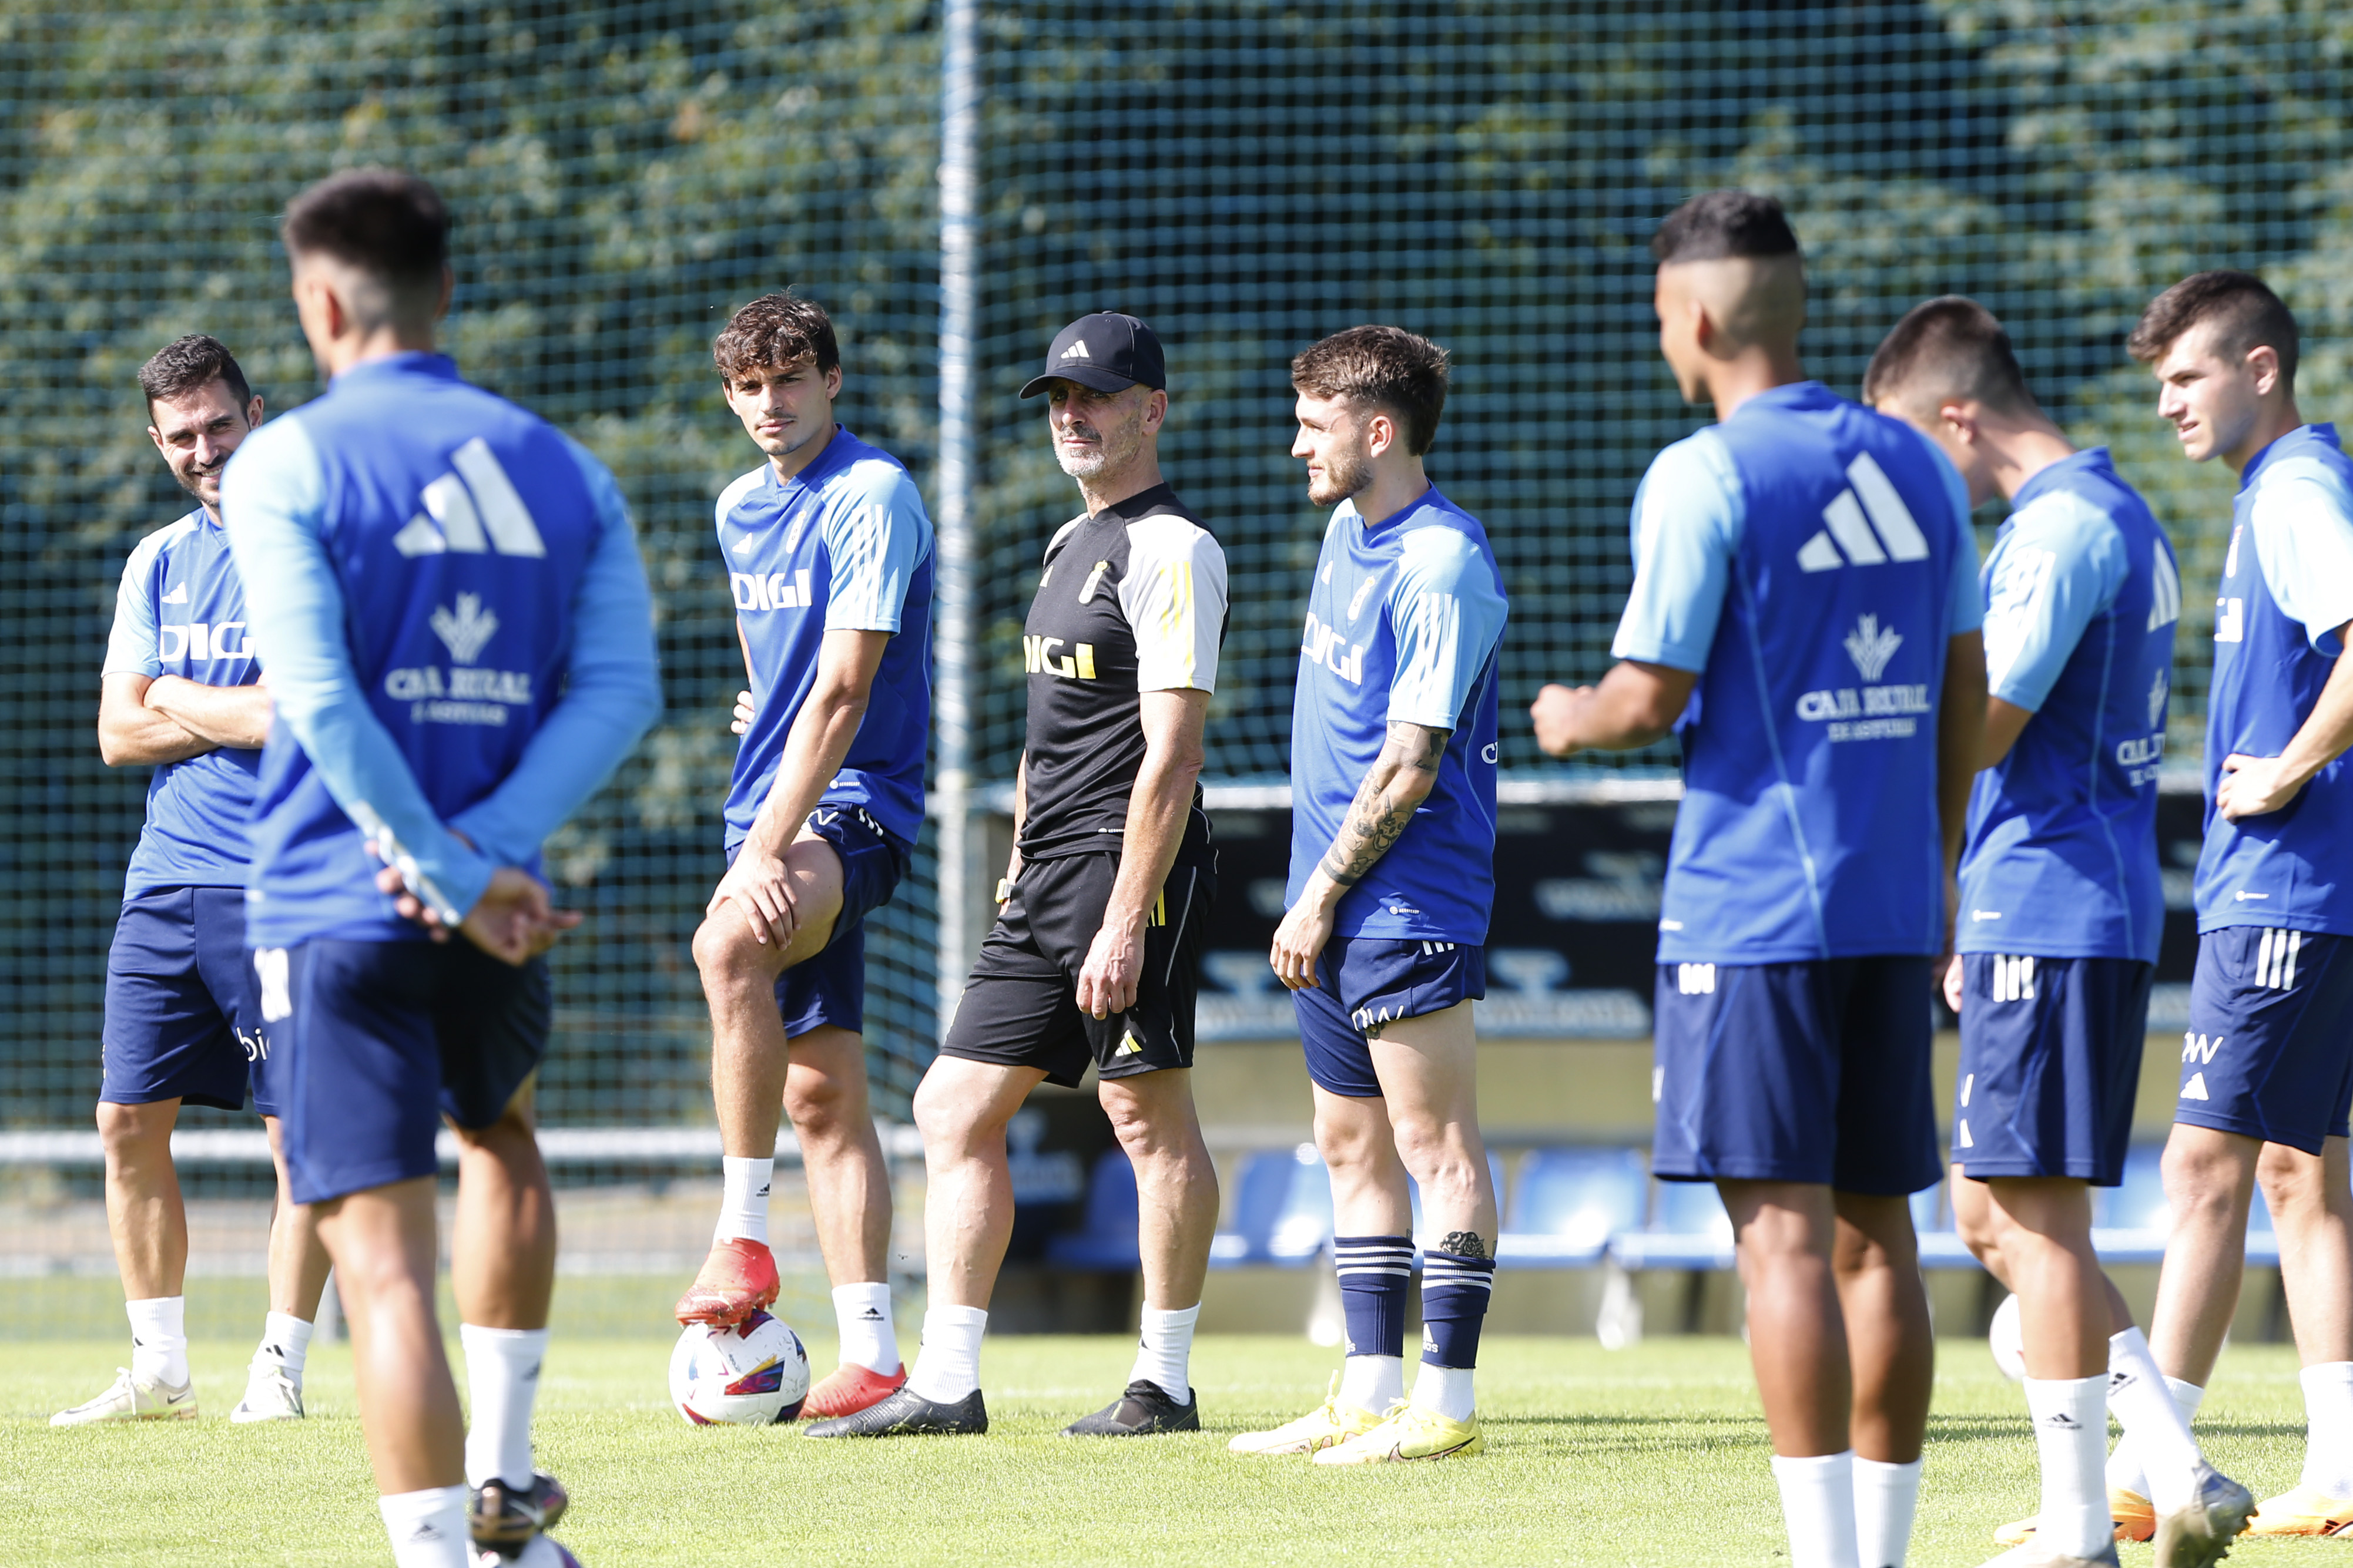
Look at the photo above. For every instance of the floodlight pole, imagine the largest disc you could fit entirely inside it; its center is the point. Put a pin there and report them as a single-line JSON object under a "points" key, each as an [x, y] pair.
{"points": [[959, 282]]}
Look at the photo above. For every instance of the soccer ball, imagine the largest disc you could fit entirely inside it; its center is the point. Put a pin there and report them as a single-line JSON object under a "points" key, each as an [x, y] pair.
{"points": [[755, 1374], [541, 1552], [2007, 1340]]}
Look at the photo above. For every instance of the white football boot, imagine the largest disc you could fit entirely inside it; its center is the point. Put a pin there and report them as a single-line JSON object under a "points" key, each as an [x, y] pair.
{"points": [[270, 1395], [131, 1400]]}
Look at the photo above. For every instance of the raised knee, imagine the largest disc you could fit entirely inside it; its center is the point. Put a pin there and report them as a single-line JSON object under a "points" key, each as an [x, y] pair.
{"points": [[724, 953]]}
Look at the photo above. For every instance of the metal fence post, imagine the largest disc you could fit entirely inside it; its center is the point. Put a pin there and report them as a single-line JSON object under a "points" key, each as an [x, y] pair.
{"points": [[959, 183]]}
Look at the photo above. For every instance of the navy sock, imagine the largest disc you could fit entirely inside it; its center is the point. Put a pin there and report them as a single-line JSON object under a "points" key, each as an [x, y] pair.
{"points": [[1454, 1291], [1374, 1273]]}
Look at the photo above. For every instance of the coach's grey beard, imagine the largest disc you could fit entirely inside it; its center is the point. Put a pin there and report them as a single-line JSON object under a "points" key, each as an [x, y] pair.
{"points": [[1114, 448]]}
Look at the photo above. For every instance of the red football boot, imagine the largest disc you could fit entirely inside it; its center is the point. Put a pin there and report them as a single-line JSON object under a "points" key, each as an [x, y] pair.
{"points": [[738, 1278], [849, 1389]]}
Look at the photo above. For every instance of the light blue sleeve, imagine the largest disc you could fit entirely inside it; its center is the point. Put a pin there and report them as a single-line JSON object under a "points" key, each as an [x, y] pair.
{"points": [[875, 543], [2303, 523], [1688, 517], [1964, 600], [273, 503], [1448, 616], [612, 691], [130, 646], [2057, 567]]}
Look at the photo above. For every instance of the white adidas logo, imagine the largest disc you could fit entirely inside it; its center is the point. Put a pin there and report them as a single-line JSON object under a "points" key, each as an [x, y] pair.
{"points": [[178, 595], [1077, 351], [471, 512], [1849, 539]]}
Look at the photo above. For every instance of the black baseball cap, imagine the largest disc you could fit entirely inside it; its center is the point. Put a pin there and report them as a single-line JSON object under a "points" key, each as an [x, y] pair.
{"points": [[1106, 350]]}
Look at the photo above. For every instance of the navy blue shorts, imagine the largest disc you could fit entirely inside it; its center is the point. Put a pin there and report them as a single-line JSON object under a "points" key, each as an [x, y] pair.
{"points": [[181, 1023], [830, 987], [1814, 1072], [1363, 982], [2270, 1049], [383, 1039], [2049, 1066]]}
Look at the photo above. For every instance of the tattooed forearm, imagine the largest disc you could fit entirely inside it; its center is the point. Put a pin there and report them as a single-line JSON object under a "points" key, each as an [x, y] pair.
{"points": [[1399, 780]]}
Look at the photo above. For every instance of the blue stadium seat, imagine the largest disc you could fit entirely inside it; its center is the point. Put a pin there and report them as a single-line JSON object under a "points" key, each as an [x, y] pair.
{"points": [[1688, 1229], [1940, 1245], [1280, 1210], [2129, 1222], [1568, 1204], [1105, 1239]]}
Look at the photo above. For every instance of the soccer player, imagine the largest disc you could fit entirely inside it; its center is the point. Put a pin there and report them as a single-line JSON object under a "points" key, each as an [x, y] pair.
{"points": [[1383, 941], [2060, 911], [448, 596], [2267, 1064], [180, 694], [828, 559], [1094, 956], [1804, 617]]}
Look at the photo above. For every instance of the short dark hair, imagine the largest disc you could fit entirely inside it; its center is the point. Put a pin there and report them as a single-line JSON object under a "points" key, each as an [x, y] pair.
{"points": [[1398, 372], [1718, 225], [2252, 317], [776, 330], [390, 225], [184, 364], [1948, 347]]}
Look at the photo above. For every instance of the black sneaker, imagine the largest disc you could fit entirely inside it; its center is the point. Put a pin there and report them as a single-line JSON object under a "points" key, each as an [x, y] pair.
{"points": [[1142, 1409], [907, 1413], [503, 1522]]}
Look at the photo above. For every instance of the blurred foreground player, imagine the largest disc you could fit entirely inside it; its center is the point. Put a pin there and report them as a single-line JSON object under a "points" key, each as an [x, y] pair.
{"points": [[1804, 569], [181, 695], [2267, 1064], [2060, 910], [1092, 959], [1383, 946], [828, 559], [448, 596]]}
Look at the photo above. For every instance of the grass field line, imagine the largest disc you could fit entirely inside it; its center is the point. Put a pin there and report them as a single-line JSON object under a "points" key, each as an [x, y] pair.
{"points": [[1646, 1458]]}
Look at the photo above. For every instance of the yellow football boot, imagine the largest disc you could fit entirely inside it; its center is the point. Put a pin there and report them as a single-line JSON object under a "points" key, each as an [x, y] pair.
{"points": [[2135, 1515], [1407, 1432], [2303, 1512], [1333, 1421]]}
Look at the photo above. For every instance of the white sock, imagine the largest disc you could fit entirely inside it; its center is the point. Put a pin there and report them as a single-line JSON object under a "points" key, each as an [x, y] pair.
{"points": [[1446, 1390], [502, 1379], [947, 1369], [285, 1340], [1885, 1498], [1372, 1382], [2329, 1428], [2150, 1438], [861, 1316], [1818, 1505], [1164, 1351], [2071, 1435], [743, 1201], [428, 1528], [159, 1339]]}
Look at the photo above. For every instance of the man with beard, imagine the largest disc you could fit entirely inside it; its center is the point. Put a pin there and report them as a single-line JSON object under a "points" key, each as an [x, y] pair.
{"points": [[1093, 959], [182, 694]]}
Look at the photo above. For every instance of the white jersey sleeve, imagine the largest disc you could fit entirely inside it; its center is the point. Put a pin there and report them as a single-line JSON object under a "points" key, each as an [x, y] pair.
{"points": [[1173, 596], [876, 535], [1688, 517], [2059, 564], [2302, 521], [1446, 616]]}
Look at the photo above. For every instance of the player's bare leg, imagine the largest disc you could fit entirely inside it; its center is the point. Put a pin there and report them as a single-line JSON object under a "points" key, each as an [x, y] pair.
{"points": [[298, 1277], [962, 1107], [2314, 1225], [503, 1272], [1786, 1232], [1892, 1349], [849, 1193], [750, 1063], [1177, 1195], [382, 1242], [149, 1226], [1428, 1070]]}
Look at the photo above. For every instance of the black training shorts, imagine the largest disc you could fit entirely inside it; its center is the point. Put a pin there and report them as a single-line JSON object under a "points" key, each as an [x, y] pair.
{"points": [[1020, 1006]]}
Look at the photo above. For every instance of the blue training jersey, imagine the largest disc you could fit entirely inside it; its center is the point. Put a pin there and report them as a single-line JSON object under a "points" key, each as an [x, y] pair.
{"points": [[181, 611], [1404, 622], [2287, 586], [1808, 559], [447, 595], [2082, 596], [843, 545]]}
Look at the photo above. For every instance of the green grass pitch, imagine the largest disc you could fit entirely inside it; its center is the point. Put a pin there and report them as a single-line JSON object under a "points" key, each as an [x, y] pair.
{"points": [[1651, 1457]]}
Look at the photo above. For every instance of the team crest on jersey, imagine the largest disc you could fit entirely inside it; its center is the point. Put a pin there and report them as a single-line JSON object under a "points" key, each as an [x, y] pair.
{"points": [[465, 630], [1871, 647], [2157, 690]]}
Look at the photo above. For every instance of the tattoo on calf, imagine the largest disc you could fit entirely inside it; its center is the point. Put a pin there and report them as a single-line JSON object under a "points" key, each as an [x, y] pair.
{"points": [[1463, 1244]]}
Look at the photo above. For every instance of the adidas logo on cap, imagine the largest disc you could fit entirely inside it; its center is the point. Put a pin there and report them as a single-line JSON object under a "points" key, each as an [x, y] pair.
{"points": [[1077, 351]]}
